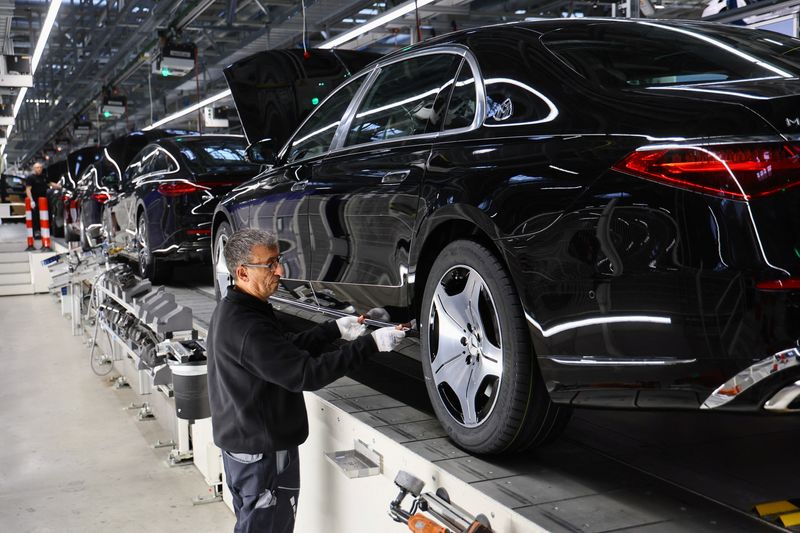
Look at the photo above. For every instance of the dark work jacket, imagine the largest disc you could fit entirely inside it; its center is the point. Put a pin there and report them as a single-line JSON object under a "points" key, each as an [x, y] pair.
{"points": [[257, 372]]}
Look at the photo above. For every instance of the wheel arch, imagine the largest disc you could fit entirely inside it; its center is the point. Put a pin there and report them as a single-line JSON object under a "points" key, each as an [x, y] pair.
{"points": [[445, 227]]}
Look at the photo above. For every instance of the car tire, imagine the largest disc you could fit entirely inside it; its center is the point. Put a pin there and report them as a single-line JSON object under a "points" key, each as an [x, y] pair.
{"points": [[477, 356], [156, 270], [222, 277]]}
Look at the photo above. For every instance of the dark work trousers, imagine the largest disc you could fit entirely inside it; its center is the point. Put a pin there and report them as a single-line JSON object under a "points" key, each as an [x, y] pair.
{"points": [[265, 490]]}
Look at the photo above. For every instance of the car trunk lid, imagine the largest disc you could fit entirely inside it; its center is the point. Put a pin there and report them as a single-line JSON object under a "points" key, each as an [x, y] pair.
{"points": [[275, 90]]}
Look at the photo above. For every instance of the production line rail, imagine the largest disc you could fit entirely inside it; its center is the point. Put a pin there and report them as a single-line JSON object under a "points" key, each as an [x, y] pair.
{"points": [[610, 471]]}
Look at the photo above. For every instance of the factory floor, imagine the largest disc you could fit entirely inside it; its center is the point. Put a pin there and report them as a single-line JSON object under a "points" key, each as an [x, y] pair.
{"points": [[72, 457]]}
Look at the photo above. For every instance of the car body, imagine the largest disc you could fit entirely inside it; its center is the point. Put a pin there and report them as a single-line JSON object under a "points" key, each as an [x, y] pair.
{"points": [[58, 198], [161, 211], [97, 182], [576, 213]]}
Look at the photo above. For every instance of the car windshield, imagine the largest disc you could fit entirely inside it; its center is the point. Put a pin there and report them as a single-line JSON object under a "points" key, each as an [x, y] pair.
{"points": [[213, 155], [644, 54]]}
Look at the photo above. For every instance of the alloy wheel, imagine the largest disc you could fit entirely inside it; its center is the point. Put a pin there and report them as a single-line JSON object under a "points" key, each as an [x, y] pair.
{"points": [[142, 245], [466, 348], [220, 267]]}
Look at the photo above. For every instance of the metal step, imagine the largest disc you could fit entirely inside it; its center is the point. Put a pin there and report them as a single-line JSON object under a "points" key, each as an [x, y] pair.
{"points": [[15, 290], [15, 246], [14, 257], [15, 279], [15, 268]]}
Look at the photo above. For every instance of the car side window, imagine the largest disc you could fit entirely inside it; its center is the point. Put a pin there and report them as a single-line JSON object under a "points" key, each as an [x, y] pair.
{"points": [[464, 100], [400, 102], [315, 136]]}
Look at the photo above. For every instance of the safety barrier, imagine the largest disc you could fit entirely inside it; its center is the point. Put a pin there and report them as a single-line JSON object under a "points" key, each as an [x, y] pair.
{"points": [[44, 224], [29, 224]]}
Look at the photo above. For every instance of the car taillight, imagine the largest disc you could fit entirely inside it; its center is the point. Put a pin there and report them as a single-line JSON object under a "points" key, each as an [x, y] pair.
{"points": [[198, 232], [788, 284], [738, 171], [177, 188], [100, 197]]}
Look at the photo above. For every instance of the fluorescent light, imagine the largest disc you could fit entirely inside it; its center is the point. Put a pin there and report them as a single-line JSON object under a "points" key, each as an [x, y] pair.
{"points": [[49, 20], [47, 26], [385, 18], [210, 100], [392, 14]]}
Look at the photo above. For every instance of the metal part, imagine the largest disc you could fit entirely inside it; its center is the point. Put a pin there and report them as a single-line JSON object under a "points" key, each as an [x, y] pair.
{"points": [[751, 375], [467, 358], [784, 398]]}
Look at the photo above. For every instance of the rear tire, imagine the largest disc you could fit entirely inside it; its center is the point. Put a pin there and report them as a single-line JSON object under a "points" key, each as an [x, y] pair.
{"points": [[150, 267], [222, 278], [477, 357]]}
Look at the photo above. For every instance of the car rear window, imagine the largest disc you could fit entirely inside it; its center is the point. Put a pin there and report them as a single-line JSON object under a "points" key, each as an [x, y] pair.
{"points": [[642, 54], [204, 156]]}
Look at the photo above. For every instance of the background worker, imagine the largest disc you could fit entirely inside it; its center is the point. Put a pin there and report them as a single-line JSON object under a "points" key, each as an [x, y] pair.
{"points": [[36, 185], [256, 374]]}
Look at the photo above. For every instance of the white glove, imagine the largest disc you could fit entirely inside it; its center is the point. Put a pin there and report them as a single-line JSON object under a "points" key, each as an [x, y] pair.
{"points": [[349, 328], [388, 338]]}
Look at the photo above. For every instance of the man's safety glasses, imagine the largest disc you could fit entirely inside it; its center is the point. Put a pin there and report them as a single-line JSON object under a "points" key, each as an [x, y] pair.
{"points": [[271, 266]]}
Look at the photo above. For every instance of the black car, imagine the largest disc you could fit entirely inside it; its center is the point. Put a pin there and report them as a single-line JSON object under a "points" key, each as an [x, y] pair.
{"points": [[161, 211], [99, 181], [58, 198], [575, 212]]}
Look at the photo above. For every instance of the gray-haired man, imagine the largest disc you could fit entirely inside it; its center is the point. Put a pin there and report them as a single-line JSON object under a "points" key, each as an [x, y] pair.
{"points": [[256, 375]]}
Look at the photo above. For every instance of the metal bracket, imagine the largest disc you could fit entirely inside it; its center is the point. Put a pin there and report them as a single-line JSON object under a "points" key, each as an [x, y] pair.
{"points": [[216, 496], [361, 461]]}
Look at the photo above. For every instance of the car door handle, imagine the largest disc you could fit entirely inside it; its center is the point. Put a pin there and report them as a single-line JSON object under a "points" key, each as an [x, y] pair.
{"points": [[300, 185], [394, 177]]}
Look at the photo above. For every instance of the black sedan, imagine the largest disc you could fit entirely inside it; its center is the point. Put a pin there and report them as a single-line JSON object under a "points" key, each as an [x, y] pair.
{"points": [[575, 212], [99, 180], [161, 211]]}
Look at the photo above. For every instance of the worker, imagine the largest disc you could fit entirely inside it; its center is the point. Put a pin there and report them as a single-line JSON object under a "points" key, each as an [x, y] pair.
{"points": [[256, 374], [36, 185]]}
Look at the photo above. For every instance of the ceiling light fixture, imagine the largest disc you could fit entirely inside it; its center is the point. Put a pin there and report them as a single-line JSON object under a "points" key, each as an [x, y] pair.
{"points": [[385, 18], [388, 16], [47, 26], [183, 112]]}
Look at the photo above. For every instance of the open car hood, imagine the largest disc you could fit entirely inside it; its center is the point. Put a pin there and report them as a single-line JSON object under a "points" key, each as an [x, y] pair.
{"points": [[276, 89]]}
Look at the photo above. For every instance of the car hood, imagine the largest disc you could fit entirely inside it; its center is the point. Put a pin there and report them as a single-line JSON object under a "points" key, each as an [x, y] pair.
{"points": [[275, 90]]}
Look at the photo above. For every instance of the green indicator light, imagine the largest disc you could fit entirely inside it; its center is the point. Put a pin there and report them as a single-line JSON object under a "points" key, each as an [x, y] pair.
{"points": [[165, 72], [321, 84], [797, 252], [314, 101], [106, 114]]}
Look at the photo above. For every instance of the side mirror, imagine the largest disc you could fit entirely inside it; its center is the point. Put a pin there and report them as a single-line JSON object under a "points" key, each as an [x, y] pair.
{"points": [[262, 152]]}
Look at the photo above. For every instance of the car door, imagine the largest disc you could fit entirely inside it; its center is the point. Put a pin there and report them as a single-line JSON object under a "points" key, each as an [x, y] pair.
{"points": [[363, 201], [123, 210], [279, 202]]}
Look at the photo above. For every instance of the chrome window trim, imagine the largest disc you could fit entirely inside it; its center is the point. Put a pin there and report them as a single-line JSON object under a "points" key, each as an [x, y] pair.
{"points": [[344, 125], [480, 93], [283, 152]]}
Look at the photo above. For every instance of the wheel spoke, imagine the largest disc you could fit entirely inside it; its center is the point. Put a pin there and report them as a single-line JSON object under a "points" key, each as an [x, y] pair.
{"points": [[487, 367], [492, 352], [457, 374], [471, 296], [453, 307], [450, 330]]}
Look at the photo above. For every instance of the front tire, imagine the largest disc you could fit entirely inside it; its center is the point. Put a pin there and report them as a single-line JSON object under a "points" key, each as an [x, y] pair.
{"points": [[477, 356], [150, 267], [222, 278]]}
